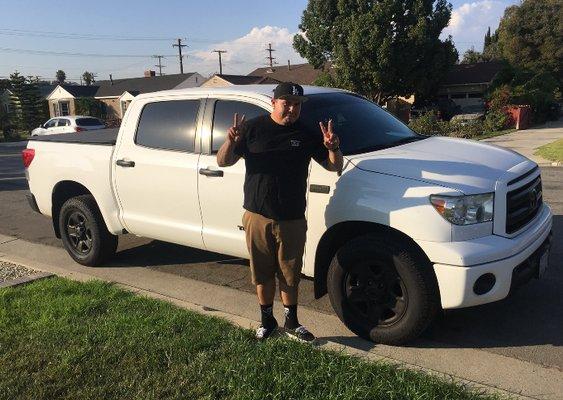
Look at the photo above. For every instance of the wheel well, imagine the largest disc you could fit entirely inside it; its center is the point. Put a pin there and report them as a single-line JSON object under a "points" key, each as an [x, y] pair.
{"points": [[337, 235], [62, 192]]}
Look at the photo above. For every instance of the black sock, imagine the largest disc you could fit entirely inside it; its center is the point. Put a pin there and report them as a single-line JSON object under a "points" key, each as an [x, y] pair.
{"points": [[291, 321], [268, 319]]}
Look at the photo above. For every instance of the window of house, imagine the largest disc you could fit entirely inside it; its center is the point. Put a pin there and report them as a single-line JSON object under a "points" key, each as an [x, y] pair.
{"points": [[168, 125], [65, 108], [458, 96], [475, 95], [223, 118], [56, 110]]}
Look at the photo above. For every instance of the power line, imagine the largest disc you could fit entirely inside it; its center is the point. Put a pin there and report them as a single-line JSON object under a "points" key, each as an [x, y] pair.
{"points": [[69, 54], [159, 65], [220, 62], [179, 46], [81, 36]]}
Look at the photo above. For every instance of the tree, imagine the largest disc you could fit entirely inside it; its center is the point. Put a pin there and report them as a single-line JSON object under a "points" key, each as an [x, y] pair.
{"points": [[60, 76], [380, 48], [26, 102], [472, 56], [530, 36], [487, 40], [88, 78]]}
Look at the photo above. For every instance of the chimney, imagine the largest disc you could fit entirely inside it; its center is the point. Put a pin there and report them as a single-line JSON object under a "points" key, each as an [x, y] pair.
{"points": [[111, 79], [288, 65], [149, 73]]}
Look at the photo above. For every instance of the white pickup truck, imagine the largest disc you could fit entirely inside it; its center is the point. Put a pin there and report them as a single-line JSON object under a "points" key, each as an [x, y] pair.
{"points": [[412, 225]]}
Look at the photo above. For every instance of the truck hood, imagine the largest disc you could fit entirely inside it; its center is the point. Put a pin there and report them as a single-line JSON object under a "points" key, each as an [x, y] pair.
{"points": [[465, 165]]}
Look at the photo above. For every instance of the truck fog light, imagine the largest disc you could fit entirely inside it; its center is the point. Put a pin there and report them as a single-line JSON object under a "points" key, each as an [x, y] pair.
{"points": [[484, 283]]}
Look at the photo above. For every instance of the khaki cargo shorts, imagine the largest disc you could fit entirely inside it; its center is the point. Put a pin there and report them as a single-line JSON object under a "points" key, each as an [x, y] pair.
{"points": [[275, 248]]}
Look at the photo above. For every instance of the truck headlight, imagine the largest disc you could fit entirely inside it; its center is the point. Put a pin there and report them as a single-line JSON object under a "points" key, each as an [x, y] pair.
{"points": [[464, 210]]}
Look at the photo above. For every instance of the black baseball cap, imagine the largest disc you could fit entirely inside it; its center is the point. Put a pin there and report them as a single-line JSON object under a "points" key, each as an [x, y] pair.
{"points": [[289, 91]]}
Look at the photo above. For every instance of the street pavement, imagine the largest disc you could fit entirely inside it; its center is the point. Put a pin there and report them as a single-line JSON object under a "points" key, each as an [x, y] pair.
{"points": [[521, 335]]}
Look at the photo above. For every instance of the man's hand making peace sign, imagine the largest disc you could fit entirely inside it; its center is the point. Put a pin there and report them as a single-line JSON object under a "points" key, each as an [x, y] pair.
{"points": [[233, 132], [330, 139]]}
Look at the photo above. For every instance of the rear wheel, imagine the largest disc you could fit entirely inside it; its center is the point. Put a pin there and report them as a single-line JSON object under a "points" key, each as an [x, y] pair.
{"points": [[84, 232], [382, 289]]}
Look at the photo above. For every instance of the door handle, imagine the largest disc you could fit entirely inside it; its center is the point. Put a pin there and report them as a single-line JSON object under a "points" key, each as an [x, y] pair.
{"points": [[211, 172], [125, 163]]}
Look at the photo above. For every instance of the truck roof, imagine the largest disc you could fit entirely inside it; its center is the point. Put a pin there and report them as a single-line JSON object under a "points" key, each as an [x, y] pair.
{"points": [[264, 90]]}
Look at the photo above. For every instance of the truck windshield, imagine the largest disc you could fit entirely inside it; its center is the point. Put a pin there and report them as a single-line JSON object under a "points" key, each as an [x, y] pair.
{"points": [[361, 125]]}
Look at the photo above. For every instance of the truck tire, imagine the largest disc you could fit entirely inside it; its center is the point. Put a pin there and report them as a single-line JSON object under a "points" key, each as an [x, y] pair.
{"points": [[383, 289], [84, 232]]}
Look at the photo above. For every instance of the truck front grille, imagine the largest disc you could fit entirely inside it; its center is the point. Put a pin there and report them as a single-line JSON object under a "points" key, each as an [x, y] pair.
{"points": [[523, 204]]}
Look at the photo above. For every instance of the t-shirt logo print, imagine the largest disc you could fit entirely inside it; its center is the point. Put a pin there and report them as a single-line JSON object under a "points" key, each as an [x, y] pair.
{"points": [[295, 91], [295, 143]]}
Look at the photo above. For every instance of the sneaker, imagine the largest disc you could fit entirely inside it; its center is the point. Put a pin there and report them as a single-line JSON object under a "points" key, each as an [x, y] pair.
{"points": [[263, 333], [301, 333]]}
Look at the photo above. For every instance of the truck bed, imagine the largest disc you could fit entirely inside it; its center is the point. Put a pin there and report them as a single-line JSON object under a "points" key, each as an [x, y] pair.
{"points": [[106, 137]]}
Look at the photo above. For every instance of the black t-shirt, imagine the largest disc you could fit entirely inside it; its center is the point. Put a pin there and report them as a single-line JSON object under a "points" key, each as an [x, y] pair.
{"points": [[277, 161]]}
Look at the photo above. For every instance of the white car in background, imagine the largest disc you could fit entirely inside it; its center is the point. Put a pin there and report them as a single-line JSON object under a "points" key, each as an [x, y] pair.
{"points": [[68, 124]]}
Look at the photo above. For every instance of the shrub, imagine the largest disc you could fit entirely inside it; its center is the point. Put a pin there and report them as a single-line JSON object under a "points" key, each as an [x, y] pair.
{"points": [[465, 129], [495, 121], [427, 124]]}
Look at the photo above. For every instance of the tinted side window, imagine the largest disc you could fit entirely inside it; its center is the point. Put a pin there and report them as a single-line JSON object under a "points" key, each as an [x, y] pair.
{"points": [[168, 125], [88, 122], [223, 118], [63, 122]]}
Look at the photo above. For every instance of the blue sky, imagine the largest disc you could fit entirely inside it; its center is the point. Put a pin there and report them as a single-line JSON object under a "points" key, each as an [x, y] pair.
{"points": [[242, 27]]}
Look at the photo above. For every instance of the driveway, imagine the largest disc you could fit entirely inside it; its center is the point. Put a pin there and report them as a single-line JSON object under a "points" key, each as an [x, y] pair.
{"points": [[527, 141]]}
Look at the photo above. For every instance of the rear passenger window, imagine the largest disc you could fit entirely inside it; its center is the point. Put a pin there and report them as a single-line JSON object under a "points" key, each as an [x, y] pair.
{"points": [[223, 118], [168, 125], [63, 122]]}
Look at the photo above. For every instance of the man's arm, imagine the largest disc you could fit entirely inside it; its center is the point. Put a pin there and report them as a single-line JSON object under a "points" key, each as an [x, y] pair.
{"points": [[226, 155], [334, 162]]}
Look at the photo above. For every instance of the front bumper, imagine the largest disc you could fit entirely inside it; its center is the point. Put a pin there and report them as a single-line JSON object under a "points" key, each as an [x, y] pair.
{"points": [[511, 261]]}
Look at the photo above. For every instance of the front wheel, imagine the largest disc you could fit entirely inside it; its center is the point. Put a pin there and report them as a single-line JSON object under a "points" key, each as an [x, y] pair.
{"points": [[383, 289], [84, 232]]}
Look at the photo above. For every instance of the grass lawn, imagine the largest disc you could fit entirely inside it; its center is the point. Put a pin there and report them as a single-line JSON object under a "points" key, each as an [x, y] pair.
{"points": [[552, 151], [64, 339]]}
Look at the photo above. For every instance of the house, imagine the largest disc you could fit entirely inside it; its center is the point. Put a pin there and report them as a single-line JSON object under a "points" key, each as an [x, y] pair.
{"points": [[222, 80], [303, 74], [466, 84], [116, 94], [62, 99]]}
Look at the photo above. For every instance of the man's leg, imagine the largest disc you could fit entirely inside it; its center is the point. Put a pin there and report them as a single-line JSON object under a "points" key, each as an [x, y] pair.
{"points": [[290, 237], [261, 247]]}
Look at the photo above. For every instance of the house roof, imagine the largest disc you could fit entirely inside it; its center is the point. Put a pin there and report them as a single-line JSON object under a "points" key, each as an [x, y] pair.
{"points": [[483, 72], [303, 74], [140, 85], [246, 79], [79, 91], [46, 90]]}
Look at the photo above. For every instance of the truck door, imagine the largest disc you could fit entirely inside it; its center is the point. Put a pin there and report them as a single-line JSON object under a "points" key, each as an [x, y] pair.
{"points": [[221, 189], [155, 170]]}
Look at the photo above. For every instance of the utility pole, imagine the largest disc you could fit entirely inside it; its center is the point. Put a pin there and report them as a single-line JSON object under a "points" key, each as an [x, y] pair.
{"points": [[220, 62], [160, 66], [270, 50], [179, 45]]}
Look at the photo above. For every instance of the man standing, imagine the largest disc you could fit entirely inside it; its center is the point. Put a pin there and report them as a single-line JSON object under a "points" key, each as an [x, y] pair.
{"points": [[277, 150]]}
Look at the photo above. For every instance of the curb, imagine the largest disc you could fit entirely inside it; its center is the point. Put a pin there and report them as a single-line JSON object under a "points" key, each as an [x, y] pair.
{"points": [[25, 279]]}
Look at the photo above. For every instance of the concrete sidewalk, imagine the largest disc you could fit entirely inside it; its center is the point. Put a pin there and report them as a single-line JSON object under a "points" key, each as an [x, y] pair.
{"points": [[474, 367], [526, 142]]}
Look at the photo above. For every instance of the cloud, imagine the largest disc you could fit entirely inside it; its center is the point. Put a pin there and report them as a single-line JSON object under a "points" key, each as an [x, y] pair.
{"points": [[246, 53], [469, 23]]}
